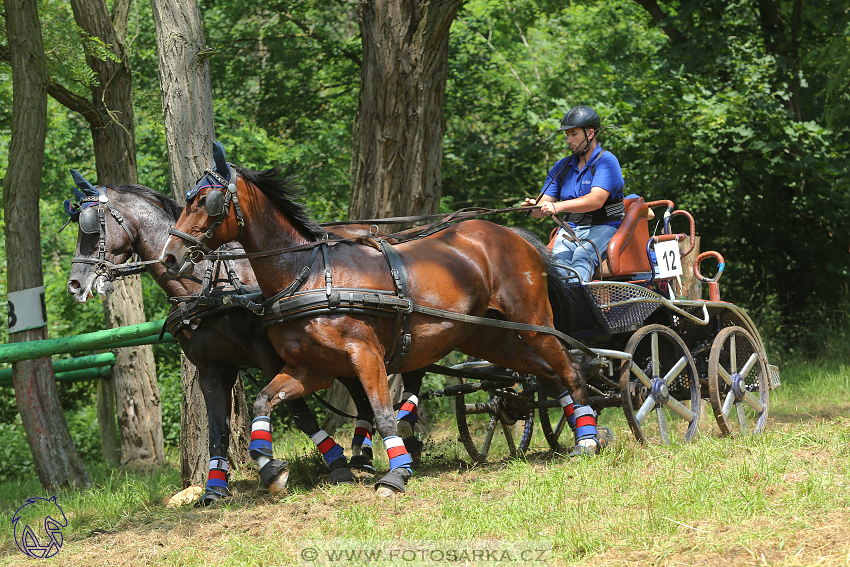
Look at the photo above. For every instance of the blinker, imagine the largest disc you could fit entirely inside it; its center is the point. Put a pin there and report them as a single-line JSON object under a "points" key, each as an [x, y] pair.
{"points": [[89, 221], [214, 203]]}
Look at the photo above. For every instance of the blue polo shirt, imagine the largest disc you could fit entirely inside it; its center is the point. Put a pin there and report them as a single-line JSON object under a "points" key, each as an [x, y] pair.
{"points": [[572, 183]]}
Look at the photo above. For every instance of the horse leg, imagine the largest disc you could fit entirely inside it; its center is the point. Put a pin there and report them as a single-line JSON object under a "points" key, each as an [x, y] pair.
{"points": [[283, 387], [408, 413], [217, 388], [361, 443], [373, 376], [333, 453]]}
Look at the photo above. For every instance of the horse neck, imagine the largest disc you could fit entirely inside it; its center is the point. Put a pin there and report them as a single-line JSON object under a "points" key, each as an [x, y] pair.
{"points": [[266, 229], [150, 223]]}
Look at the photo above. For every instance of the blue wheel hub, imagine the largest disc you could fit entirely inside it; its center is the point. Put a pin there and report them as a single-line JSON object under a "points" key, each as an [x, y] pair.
{"points": [[739, 386], [660, 391]]}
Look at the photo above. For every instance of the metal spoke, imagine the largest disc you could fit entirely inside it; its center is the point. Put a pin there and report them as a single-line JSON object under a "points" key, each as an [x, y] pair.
{"points": [[681, 409], [753, 402], [645, 409], [662, 425], [656, 364], [645, 380], [733, 358], [725, 375], [728, 402], [509, 437], [742, 418], [674, 373], [488, 437], [751, 362]]}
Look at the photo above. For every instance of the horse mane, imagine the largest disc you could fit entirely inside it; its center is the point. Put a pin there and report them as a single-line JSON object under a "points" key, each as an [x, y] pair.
{"points": [[168, 204], [283, 192]]}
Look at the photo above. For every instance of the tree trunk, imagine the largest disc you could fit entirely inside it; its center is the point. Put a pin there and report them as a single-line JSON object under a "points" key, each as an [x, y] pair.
{"points": [[56, 459], [184, 78], [113, 134], [398, 133]]}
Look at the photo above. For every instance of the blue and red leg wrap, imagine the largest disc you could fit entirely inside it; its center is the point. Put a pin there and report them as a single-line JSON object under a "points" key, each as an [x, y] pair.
{"points": [[397, 452], [329, 448], [218, 474], [585, 422], [409, 410], [261, 438]]}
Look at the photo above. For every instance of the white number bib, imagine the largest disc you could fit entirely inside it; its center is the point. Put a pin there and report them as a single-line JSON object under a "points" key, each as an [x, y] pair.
{"points": [[669, 262]]}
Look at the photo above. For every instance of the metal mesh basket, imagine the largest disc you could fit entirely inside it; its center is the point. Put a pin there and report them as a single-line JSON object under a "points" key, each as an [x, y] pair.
{"points": [[627, 317]]}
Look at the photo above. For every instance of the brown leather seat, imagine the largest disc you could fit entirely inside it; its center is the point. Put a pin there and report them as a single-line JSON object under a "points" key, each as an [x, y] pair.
{"points": [[626, 254]]}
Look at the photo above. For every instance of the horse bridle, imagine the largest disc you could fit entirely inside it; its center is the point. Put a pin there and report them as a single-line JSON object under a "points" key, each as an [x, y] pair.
{"points": [[217, 205], [93, 219]]}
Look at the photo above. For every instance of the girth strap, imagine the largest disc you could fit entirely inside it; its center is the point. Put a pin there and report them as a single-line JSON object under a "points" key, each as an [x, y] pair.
{"points": [[403, 339]]}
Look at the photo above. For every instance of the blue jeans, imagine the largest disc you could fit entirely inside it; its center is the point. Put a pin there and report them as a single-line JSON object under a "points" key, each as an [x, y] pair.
{"points": [[581, 256]]}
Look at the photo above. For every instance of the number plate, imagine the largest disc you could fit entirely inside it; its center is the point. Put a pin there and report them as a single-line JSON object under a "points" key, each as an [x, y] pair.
{"points": [[669, 262]]}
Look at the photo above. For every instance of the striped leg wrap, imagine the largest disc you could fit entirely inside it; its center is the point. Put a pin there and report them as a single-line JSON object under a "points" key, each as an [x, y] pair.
{"points": [[569, 410], [362, 441], [408, 414], [585, 422], [217, 477], [397, 452], [329, 448], [261, 440]]}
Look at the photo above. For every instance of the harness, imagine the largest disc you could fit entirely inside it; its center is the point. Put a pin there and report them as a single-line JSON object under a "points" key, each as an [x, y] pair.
{"points": [[93, 220], [293, 303], [612, 210]]}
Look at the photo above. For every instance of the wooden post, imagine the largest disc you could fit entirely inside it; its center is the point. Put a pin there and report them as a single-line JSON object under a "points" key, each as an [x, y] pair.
{"points": [[691, 286]]}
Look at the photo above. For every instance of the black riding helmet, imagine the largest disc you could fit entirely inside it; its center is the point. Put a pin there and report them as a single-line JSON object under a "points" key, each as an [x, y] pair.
{"points": [[582, 117]]}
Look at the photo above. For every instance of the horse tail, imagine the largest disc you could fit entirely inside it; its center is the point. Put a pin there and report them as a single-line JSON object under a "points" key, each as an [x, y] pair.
{"points": [[562, 296]]}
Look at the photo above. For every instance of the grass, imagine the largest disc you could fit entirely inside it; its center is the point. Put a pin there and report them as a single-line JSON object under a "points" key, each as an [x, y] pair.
{"points": [[780, 498]]}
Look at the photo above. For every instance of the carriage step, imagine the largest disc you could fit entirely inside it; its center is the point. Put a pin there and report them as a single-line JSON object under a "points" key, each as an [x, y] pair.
{"points": [[773, 371]]}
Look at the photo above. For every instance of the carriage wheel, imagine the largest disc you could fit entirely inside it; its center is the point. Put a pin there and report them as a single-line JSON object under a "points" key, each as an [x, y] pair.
{"points": [[554, 424], [738, 382], [659, 387], [479, 422]]}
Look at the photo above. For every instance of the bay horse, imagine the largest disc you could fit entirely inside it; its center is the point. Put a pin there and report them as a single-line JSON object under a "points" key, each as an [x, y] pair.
{"points": [[342, 318], [117, 221]]}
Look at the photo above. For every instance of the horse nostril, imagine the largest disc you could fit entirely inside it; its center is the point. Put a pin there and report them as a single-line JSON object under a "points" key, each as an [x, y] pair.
{"points": [[168, 261], [73, 286]]}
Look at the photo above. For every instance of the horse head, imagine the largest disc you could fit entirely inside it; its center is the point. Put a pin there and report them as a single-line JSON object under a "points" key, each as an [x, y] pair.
{"points": [[110, 219], [211, 217]]}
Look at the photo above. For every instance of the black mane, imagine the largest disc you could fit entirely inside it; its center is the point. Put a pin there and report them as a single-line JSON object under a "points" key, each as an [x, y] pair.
{"points": [[283, 191], [168, 204]]}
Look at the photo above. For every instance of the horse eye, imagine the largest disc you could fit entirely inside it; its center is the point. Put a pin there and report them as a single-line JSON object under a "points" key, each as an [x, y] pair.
{"points": [[202, 201]]}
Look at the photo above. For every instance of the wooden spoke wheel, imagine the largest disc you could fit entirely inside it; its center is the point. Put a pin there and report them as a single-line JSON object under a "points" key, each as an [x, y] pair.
{"points": [[738, 382], [659, 387], [494, 420]]}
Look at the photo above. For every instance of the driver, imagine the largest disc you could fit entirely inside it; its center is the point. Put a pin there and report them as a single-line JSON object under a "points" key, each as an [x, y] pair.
{"points": [[587, 188]]}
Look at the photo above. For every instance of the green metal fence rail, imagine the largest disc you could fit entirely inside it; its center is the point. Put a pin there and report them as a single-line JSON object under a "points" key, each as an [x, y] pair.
{"points": [[131, 335]]}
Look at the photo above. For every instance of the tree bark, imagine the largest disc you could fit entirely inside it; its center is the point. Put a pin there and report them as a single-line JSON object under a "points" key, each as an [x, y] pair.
{"points": [[184, 78], [398, 133], [113, 134], [56, 459]]}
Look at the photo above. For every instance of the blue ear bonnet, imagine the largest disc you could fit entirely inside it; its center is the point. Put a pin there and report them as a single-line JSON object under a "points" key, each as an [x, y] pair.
{"points": [[221, 166], [86, 196]]}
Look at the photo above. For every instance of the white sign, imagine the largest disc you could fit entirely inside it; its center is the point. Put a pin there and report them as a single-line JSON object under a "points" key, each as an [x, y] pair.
{"points": [[27, 309], [669, 262]]}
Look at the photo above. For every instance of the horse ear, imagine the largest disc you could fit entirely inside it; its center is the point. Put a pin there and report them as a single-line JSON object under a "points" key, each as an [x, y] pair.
{"points": [[83, 183], [220, 162]]}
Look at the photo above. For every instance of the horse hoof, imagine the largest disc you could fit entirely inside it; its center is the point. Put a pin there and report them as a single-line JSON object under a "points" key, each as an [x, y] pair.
{"points": [[278, 484], [342, 475], [211, 496], [387, 492], [273, 476], [393, 482], [362, 463]]}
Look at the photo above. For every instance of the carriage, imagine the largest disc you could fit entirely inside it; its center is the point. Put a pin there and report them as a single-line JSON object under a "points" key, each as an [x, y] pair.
{"points": [[664, 359], [640, 344]]}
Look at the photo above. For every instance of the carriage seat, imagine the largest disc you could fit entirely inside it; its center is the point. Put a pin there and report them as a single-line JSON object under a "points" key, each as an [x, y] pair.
{"points": [[626, 253]]}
